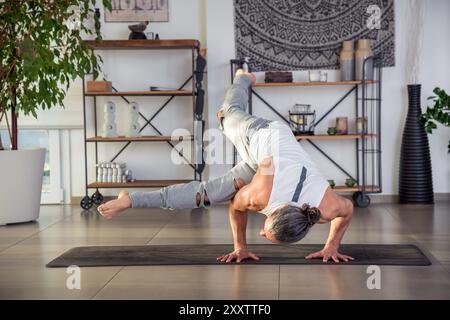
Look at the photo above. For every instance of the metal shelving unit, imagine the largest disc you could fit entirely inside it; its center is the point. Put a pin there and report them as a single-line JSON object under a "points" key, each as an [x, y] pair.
{"points": [[196, 93], [367, 100]]}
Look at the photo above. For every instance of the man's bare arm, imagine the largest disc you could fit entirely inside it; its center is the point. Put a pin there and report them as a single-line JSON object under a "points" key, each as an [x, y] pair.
{"points": [[339, 225], [238, 220], [339, 211]]}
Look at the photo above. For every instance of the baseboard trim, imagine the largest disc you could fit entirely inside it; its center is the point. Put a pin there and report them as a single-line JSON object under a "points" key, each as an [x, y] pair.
{"points": [[383, 198], [374, 198], [393, 198], [77, 200]]}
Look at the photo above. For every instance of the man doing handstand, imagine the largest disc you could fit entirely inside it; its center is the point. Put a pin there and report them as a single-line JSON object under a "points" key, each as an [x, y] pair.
{"points": [[276, 177]]}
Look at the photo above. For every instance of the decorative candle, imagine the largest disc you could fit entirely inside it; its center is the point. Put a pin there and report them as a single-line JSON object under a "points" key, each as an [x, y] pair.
{"points": [[99, 172], [342, 125], [361, 125], [314, 76]]}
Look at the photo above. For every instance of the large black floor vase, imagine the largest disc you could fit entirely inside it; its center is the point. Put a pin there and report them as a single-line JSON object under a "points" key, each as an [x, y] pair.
{"points": [[416, 179]]}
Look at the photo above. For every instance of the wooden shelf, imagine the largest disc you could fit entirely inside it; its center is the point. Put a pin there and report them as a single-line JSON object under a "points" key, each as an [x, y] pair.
{"points": [[140, 139], [142, 93], [335, 137], [345, 189], [137, 184], [310, 84], [143, 44]]}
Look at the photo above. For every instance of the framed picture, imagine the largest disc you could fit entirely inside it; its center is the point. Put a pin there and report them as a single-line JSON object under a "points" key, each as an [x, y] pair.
{"points": [[138, 10]]}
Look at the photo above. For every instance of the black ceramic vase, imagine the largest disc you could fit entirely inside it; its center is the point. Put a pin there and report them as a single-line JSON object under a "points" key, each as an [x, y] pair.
{"points": [[416, 179]]}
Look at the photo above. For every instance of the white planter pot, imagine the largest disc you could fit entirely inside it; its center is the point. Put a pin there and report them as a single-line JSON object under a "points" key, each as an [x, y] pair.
{"points": [[21, 174]]}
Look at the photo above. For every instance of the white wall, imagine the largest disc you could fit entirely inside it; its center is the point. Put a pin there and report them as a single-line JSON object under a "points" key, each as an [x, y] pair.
{"points": [[435, 72], [211, 21]]}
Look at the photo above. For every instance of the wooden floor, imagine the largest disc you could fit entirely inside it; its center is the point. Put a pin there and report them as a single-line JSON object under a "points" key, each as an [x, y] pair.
{"points": [[26, 248]]}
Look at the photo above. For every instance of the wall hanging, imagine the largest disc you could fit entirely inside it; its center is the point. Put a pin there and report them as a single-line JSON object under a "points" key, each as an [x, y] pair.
{"points": [[308, 34], [143, 10]]}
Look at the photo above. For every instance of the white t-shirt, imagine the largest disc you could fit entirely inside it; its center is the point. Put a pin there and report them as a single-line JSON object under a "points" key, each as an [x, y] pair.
{"points": [[296, 178]]}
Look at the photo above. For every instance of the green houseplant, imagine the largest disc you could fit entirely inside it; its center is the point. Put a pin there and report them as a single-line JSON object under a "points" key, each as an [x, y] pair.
{"points": [[440, 112], [41, 53]]}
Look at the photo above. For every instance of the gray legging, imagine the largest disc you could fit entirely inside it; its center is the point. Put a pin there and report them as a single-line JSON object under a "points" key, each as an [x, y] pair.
{"points": [[184, 196], [238, 126]]}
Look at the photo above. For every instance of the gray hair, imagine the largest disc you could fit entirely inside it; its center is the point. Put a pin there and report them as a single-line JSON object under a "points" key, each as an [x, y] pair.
{"points": [[291, 224]]}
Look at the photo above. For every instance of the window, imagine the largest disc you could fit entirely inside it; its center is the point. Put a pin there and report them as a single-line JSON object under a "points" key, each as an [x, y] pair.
{"points": [[49, 140]]}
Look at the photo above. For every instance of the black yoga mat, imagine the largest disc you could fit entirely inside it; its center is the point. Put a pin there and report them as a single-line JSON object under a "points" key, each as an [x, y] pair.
{"points": [[206, 254]]}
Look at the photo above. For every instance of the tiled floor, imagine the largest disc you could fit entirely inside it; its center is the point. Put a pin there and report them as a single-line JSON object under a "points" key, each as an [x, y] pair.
{"points": [[26, 248]]}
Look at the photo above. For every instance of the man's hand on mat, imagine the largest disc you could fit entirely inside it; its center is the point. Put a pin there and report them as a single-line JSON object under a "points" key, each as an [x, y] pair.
{"points": [[329, 252], [238, 255], [114, 207], [248, 74]]}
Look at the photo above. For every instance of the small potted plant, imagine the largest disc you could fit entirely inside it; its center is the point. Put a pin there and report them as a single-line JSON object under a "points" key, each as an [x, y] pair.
{"points": [[440, 112], [332, 131], [331, 183], [41, 53], [350, 182]]}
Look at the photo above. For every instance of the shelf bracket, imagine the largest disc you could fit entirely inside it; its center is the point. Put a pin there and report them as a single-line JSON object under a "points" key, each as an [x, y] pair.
{"points": [[331, 160], [148, 122], [335, 105], [269, 106]]}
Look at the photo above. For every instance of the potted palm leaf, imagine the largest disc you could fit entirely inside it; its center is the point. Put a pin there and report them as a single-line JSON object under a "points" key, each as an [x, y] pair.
{"points": [[439, 112]]}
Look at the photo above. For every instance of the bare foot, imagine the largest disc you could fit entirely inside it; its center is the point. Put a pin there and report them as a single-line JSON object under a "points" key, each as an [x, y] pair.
{"points": [[115, 207], [248, 74]]}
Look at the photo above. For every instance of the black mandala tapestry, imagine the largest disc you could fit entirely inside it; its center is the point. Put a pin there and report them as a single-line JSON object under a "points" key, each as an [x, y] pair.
{"points": [[308, 34]]}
